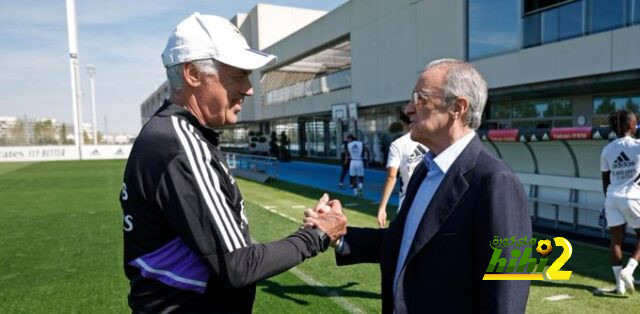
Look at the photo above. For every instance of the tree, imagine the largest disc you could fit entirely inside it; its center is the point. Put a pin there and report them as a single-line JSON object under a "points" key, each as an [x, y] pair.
{"points": [[63, 134], [17, 134], [44, 132], [86, 138]]}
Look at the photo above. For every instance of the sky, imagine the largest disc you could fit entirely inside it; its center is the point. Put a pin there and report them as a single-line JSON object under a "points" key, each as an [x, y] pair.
{"points": [[123, 39]]}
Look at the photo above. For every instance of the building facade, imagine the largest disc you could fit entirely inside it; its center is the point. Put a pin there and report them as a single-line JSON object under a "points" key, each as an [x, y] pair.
{"points": [[549, 64]]}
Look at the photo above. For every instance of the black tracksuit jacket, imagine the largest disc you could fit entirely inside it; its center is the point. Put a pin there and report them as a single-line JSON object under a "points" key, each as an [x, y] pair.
{"points": [[186, 237]]}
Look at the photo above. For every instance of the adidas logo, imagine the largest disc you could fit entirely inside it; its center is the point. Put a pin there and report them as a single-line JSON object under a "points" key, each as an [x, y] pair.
{"points": [[623, 161]]}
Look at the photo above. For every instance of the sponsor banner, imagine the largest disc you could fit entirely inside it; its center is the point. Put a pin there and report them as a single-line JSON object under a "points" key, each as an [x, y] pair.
{"points": [[583, 133], [503, 135], [62, 152], [106, 151]]}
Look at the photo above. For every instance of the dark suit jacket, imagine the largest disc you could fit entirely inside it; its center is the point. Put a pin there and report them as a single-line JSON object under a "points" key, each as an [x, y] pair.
{"points": [[479, 198]]}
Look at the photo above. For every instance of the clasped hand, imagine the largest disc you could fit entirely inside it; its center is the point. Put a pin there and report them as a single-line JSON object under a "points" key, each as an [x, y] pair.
{"points": [[327, 215]]}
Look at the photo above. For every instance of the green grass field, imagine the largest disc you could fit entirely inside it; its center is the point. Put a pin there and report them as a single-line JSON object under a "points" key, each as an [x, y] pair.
{"points": [[61, 249]]}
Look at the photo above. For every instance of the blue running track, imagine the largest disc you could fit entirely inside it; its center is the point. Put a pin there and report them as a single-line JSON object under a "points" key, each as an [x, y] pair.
{"points": [[325, 177]]}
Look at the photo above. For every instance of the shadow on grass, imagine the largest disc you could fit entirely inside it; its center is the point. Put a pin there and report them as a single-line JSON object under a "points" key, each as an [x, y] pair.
{"points": [[567, 285], [364, 206], [286, 291]]}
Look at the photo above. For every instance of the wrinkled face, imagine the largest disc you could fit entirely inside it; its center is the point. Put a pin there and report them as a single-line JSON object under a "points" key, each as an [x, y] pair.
{"points": [[429, 118], [220, 97]]}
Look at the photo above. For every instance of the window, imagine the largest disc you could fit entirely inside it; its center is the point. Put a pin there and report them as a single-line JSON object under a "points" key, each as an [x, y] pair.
{"points": [[531, 6], [608, 104], [604, 105], [531, 114], [290, 129], [531, 30], [499, 111], [635, 11], [606, 14], [562, 22], [493, 27]]}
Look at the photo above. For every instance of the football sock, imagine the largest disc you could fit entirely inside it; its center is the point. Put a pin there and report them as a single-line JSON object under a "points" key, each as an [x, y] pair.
{"points": [[631, 265]]}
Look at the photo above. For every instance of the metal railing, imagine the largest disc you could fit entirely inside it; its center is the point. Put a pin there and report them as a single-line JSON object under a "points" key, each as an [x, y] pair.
{"points": [[252, 163]]}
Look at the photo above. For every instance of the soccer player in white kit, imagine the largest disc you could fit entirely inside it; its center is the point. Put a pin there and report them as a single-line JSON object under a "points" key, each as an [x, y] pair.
{"points": [[620, 166], [356, 167], [404, 157]]}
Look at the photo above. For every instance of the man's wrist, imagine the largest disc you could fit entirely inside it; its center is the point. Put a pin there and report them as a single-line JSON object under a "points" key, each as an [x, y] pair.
{"points": [[325, 240]]}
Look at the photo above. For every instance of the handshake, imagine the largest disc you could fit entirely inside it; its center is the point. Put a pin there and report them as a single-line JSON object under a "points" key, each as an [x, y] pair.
{"points": [[327, 216]]}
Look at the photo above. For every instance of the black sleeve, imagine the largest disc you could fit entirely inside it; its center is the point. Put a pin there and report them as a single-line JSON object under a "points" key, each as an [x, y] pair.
{"points": [[194, 207], [506, 215], [361, 245]]}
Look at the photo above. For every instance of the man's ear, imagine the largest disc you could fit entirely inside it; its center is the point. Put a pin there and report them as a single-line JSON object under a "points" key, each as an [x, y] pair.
{"points": [[190, 74], [460, 107]]}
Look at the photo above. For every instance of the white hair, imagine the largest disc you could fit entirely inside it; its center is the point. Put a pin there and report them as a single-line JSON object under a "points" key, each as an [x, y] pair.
{"points": [[174, 73], [463, 80]]}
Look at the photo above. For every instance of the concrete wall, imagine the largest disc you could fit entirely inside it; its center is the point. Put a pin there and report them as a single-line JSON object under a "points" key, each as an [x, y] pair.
{"points": [[310, 105], [601, 53], [391, 41], [264, 25]]}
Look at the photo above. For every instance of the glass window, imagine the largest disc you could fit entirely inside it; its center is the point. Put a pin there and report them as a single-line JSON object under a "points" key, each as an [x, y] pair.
{"points": [[562, 22], [531, 30], [529, 110], [493, 27], [570, 20], [606, 14], [535, 5], [500, 111], [635, 11], [607, 104], [562, 108], [550, 26]]}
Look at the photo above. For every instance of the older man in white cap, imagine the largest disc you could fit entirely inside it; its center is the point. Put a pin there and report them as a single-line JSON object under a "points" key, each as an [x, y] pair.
{"points": [[186, 239]]}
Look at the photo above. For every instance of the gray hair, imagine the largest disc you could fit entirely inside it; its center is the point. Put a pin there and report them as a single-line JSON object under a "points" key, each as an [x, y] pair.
{"points": [[174, 73], [463, 80]]}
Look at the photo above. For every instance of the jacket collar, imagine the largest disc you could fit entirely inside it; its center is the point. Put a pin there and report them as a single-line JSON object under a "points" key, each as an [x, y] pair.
{"points": [[169, 109], [444, 201]]}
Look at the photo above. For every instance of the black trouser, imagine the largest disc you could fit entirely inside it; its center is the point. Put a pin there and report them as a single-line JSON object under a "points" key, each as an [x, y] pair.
{"points": [[345, 169]]}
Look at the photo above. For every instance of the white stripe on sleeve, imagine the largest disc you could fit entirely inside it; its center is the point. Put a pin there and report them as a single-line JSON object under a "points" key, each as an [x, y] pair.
{"points": [[203, 191], [215, 191]]}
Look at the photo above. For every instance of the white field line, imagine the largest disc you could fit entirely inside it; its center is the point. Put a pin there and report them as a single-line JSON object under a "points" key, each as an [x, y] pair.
{"points": [[558, 297], [351, 204], [334, 296], [270, 208]]}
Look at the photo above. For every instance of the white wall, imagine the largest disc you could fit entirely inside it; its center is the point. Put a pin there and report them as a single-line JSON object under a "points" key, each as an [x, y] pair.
{"points": [[62, 152]]}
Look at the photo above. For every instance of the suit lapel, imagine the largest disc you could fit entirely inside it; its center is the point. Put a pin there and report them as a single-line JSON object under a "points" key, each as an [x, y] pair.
{"points": [[393, 236], [444, 201]]}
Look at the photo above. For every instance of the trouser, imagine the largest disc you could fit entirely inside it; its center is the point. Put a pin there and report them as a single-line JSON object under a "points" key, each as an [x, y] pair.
{"points": [[345, 169]]}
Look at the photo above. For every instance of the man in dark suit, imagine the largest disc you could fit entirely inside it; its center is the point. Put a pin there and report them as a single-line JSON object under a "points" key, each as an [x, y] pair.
{"points": [[434, 254]]}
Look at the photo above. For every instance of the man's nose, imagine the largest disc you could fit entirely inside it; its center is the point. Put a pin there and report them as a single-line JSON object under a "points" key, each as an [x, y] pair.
{"points": [[247, 88], [408, 108]]}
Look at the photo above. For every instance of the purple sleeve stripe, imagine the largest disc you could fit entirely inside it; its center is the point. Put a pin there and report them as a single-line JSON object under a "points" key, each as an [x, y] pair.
{"points": [[170, 278], [175, 265]]}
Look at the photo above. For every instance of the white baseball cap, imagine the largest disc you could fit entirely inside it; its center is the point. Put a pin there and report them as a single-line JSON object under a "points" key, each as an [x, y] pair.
{"points": [[201, 37]]}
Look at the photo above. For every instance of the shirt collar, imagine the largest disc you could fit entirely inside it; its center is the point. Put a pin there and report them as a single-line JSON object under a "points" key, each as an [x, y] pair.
{"points": [[445, 159]]}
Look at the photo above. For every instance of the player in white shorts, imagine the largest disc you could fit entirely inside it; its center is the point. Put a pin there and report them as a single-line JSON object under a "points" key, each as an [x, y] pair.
{"points": [[620, 166], [356, 167]]}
